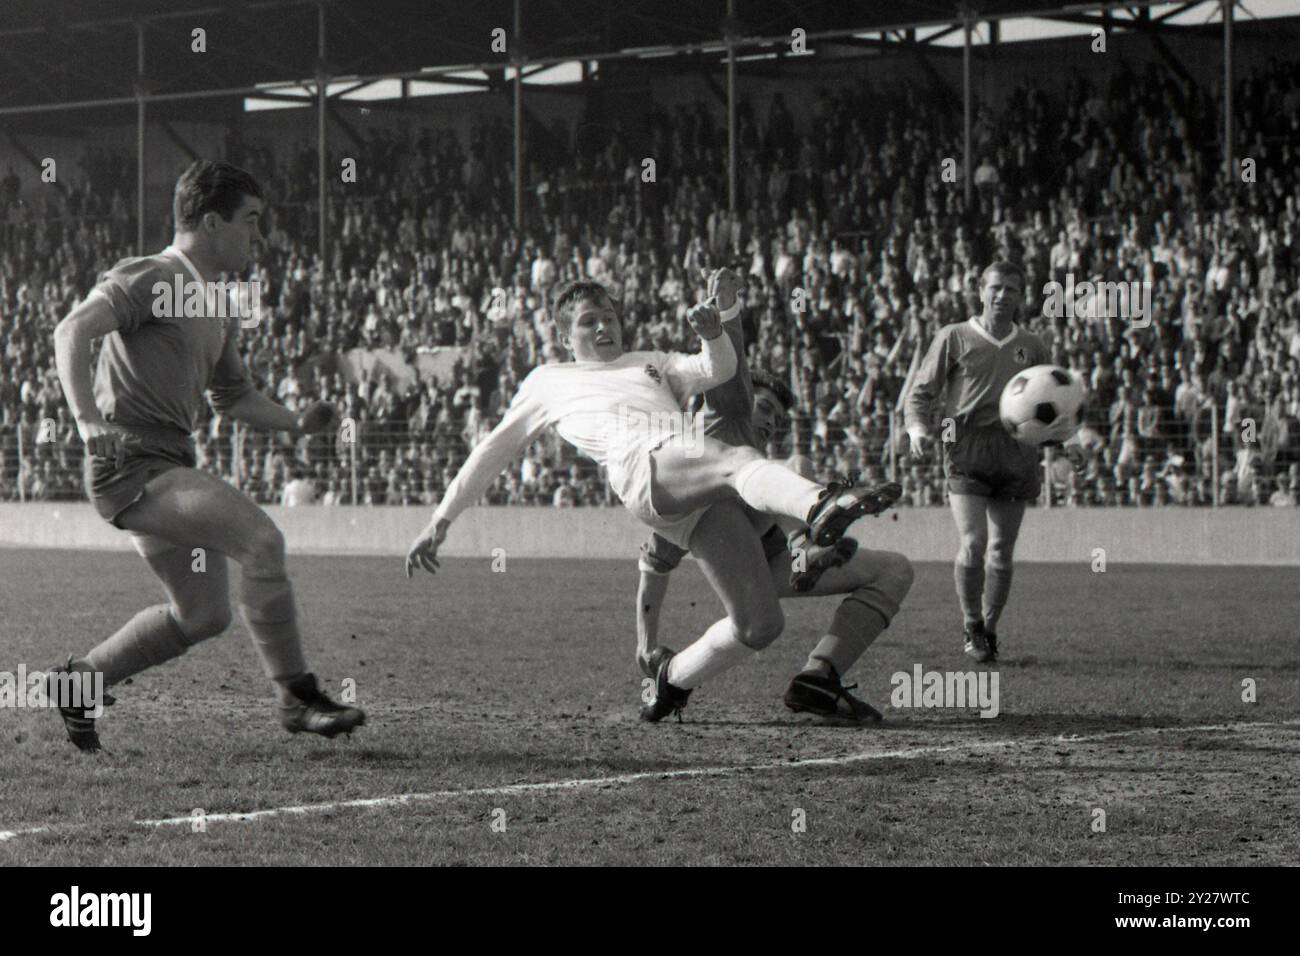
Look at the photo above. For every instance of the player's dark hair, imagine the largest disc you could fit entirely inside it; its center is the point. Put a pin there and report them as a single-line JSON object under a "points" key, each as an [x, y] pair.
{"points": [[583, 290], [776, 387], [210, 187], [1004, 268]]}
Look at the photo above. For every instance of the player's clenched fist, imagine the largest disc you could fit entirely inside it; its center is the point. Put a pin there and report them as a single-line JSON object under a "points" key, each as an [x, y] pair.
{"points": [[705, 320], [319, 417], [424, 551], [724, 286], [103, 440]]}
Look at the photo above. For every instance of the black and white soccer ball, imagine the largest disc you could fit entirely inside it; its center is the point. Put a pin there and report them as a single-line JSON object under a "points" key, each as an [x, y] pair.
{"points": [[1042, 405]]}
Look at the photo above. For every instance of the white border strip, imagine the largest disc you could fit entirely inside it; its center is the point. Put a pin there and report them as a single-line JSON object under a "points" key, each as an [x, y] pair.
{"points": [[618, 780]]}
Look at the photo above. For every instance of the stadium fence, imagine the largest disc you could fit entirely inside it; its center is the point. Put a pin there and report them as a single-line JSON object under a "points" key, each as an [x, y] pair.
{"points": [[1166, 460]]}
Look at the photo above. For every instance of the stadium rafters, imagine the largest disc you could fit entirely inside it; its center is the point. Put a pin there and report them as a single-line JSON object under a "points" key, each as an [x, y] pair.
{"points": [[69, 55], [66, 54]]}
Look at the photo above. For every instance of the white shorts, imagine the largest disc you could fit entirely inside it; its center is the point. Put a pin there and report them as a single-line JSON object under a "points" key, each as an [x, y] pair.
{"points": [[147, 545], [630, 476]]}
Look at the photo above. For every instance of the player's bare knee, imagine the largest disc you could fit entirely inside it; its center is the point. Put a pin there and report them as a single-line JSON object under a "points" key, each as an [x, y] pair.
{"points": [[896, 575], [972, 549], [264, 552], [758, 629], [999, 553], [204, 621]]}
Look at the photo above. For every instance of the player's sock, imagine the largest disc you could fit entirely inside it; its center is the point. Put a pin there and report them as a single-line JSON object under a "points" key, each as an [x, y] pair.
{"points": [[268, 609], [150, 638], [771, 487], [856, 624], [997, 587], [716, 651], [970, 589]]}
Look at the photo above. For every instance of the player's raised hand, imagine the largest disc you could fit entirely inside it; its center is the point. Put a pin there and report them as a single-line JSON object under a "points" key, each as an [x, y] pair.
{"points": [[319, 417], [424, 550], [103, 440], [724, 285], [705, 320]]}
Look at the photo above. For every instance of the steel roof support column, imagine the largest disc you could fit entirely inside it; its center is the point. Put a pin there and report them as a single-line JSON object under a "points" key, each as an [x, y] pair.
{"points": [[139, 139], [1227, 90], [322, 82], [731, 107], [968, 24], [518, 60]]}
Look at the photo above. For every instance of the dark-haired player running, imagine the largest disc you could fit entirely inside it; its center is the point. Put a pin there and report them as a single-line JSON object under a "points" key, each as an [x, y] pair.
{"points": [[136, 420]]}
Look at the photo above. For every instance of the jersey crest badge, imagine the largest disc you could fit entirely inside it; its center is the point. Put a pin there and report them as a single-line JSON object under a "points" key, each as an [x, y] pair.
{"points": [[654, 374], [1021, 355]]}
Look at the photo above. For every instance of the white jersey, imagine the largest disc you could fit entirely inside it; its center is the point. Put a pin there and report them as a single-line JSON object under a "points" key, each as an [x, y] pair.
{"points": [[590, 404]]}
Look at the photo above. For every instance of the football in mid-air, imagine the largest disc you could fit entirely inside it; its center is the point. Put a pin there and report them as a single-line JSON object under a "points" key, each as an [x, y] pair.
{"points": [[1042, 405]]}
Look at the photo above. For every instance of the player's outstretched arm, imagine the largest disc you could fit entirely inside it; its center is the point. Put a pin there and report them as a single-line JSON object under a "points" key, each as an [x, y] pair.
{"points": [[423, 552], [92, 319], [521, 424], [232, 393], [255, 409]]}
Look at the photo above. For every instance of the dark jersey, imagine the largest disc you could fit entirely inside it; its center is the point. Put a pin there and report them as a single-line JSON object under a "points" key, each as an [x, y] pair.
{"points": [[153, 370], [964, 372], [728, 409]]}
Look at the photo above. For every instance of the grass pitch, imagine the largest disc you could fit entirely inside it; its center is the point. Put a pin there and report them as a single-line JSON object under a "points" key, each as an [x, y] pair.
{"points": [[502, 712]]}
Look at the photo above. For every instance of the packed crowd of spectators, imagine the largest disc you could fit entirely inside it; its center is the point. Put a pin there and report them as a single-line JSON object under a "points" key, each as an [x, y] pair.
{"points": [[855, 246]]}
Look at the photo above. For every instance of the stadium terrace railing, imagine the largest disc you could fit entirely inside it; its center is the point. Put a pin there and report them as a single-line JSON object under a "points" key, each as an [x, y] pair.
{"points": [[1142, 458]]}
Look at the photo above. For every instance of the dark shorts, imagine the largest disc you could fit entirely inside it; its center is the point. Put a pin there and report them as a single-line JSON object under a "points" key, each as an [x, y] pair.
{"points": [[733, 431], [990, 463], [662, 556], [774, 543], [112, 489]]}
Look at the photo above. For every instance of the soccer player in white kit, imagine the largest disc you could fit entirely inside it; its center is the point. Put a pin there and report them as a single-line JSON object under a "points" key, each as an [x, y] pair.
{"points": [[685, 487]]}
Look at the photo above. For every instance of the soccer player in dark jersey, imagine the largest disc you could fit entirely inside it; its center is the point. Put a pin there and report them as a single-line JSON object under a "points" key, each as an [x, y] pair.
{"points": [[990, 475], [739, 413], [136, 419], [874, 584]]}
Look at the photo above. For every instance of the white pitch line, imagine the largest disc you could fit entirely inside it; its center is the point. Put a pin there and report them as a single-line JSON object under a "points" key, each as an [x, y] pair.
{"points": [[582, 783], [14, 834]]}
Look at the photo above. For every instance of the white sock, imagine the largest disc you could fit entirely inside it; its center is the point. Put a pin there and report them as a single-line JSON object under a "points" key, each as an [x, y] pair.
{"points": [[716, 651], [771, 487]]}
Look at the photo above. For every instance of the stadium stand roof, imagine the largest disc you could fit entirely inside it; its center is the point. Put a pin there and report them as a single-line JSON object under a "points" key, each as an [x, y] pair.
{"points": [[54, 53]]}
